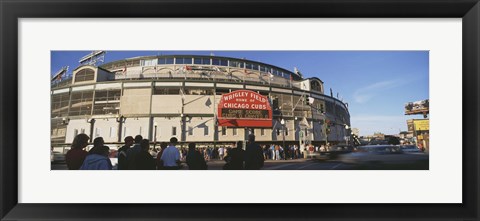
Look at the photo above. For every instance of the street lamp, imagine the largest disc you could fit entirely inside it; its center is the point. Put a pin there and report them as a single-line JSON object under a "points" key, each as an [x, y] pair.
{"points": [[283, 132], [347, 137]]}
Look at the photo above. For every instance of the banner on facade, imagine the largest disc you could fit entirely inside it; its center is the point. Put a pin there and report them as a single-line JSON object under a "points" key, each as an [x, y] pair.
{"points": [[244, 108]]}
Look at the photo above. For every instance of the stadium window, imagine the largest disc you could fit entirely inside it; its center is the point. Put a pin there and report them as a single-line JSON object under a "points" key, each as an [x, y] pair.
{"points": [[166, 90], [198, 91], [107, 102], [248, 66], [59, 105], [221, 91], [86, 74], [278, 132], [286, 131], [262, 132], [150, 62], [205, 131], [182, 60], [81, 103], [254, 67], [97, 132], [224, 131], [190, 131], [237, 64], [174, 131], [263, 69], [205, 61], [234, 132], [112, 131], [220, 62]]}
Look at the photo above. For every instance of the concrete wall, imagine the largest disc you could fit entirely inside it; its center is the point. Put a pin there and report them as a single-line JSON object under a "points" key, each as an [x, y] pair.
{"points": [[77, 124], [199, 126], [164, 128], [200, 104], [229, 135], [135, 101], [166, 104], [106, 128], [136, 126]]}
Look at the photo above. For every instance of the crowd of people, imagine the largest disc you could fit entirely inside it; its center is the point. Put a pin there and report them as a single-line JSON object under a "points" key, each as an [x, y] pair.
{"points": [[136, 154], [278, 152]]}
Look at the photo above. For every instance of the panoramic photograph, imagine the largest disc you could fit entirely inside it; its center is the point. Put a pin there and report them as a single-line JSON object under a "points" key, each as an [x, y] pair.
{"points": [[239, 110]]}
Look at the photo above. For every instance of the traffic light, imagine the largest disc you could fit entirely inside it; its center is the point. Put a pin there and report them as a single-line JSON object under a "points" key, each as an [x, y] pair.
{"points": [[327, 126]]}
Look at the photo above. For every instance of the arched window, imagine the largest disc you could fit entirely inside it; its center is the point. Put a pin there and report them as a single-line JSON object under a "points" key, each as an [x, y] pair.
{"points": [[86, 74], [316, 86]]}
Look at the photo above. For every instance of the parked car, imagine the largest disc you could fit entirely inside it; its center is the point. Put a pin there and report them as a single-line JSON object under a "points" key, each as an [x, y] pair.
{"points": [[378, 157], [410, 149], [57, 157]]}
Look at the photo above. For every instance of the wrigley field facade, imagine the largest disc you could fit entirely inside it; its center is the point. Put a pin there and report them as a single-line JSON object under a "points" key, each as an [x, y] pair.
{"points": [[204, 99]]}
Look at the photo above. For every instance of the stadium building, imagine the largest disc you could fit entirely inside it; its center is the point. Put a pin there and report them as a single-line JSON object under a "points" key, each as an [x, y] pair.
{"points": [[204, 99]]}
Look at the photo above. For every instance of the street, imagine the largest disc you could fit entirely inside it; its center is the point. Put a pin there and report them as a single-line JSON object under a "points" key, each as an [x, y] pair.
{"points": [[297, 164]]}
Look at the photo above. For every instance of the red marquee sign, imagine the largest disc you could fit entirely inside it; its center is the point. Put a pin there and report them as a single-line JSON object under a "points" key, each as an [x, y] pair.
{"points": [[243, 108]]}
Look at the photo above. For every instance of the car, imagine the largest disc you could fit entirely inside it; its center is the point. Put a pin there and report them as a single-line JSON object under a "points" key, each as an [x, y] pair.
{"points": [[57, 157], [410, 149], [384, 157]]}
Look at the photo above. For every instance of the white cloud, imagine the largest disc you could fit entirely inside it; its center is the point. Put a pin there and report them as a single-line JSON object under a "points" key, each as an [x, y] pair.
{"points": [[364, 94]]}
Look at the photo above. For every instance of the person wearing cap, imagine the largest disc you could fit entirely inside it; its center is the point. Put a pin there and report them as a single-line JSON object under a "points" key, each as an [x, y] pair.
{"points": [[171, 156]]}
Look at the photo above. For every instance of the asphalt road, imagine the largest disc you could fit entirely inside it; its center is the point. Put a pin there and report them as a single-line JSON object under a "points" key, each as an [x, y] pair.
{"points": [[298, 164]]}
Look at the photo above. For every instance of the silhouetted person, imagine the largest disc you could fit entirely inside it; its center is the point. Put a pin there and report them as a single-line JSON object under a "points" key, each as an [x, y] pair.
{"points": [[76, 155], [132, 152], [253, 154], [122, 153], [163, 146], [195, 160], [143, 159], [97, 158], [235, 158], [171, 156]]}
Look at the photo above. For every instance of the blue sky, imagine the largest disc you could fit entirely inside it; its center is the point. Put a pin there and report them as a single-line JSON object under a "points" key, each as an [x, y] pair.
{"points": [[376, 84]]}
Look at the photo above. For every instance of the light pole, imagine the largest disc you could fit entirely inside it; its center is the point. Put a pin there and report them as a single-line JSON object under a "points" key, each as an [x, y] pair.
{"points": [[155, 133], [346, 132], [283, 132]]}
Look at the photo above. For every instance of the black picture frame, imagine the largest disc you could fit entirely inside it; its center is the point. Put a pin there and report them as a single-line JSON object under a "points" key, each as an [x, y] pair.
{"points": [[11, 11]]}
